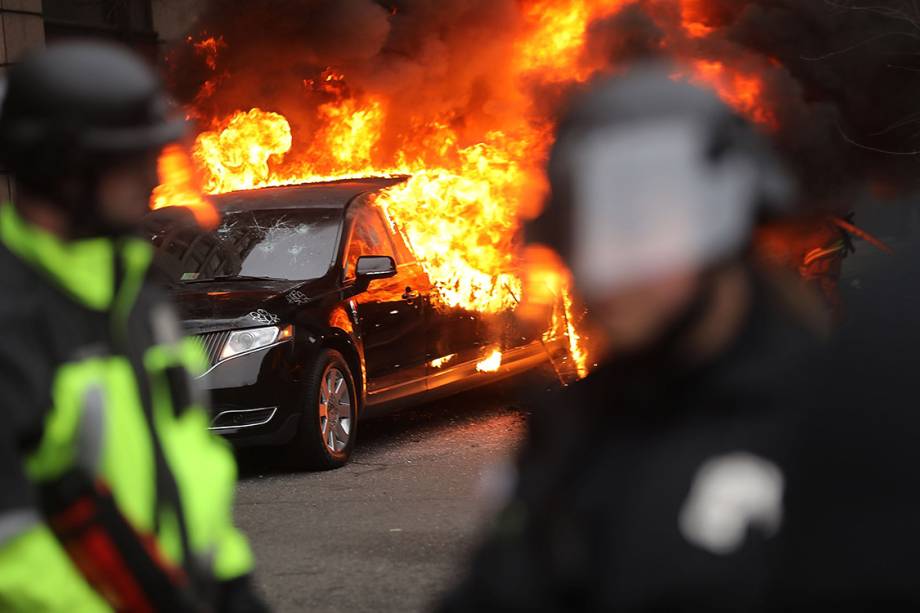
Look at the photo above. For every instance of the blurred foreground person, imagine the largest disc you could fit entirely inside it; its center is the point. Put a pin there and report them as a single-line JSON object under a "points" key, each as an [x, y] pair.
{"points": [[114, 495], [657, 483]]}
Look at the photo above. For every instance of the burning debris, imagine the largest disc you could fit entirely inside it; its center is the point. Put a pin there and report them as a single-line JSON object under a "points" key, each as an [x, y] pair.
{"points": [[462, 96]]}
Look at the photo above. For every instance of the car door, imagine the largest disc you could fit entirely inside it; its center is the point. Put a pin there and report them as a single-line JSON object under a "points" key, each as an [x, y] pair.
{"points": [[391, 314], [458, 343], [456, 336]]}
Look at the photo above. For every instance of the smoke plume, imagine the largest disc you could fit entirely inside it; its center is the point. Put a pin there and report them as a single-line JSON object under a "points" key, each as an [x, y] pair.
{"points": [[838, 81]]}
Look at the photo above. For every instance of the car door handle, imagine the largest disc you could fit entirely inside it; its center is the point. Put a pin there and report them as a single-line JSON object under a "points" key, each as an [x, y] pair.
{"points": [[410, 294]]}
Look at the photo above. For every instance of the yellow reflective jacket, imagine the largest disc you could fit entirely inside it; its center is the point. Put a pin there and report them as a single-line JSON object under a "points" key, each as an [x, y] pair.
{"points": [[95, 376]]}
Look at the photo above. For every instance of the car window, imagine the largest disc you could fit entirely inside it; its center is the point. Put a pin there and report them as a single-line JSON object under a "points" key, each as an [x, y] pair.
{"points": [[283, 245], [370, 237]]}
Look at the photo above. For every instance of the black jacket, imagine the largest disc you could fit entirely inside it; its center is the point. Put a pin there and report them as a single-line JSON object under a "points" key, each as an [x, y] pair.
{"points": [[607, 471], [98, 396]]}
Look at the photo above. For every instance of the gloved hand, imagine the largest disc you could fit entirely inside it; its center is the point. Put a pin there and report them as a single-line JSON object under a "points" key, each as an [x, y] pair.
{"points": [[240, 596]]}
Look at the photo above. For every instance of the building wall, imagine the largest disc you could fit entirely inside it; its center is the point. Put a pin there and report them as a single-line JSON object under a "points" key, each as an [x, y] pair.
{"points": [[22, 28], [173, 19], [129, 22]]}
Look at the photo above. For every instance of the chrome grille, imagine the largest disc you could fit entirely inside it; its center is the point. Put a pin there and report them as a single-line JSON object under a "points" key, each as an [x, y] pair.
{"points": [[213, 344]]}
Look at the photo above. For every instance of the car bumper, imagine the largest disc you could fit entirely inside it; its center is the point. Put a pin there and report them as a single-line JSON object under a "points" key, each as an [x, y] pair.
{"points": [[255, 397]]}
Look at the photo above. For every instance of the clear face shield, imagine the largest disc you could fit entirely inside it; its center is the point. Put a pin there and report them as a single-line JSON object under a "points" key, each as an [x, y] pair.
{"points": [[649, 204]]}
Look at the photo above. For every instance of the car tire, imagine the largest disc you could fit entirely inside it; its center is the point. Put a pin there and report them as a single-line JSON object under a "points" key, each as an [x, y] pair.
{"points": [[326, 436]]}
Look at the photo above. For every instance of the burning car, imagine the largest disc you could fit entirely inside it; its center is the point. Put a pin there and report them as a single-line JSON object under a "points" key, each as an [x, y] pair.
{"points": [[315, 314]]}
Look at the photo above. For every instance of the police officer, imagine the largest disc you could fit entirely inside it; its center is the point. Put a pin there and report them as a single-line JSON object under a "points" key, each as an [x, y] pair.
{"points": [[113, 495], [657, 482]]}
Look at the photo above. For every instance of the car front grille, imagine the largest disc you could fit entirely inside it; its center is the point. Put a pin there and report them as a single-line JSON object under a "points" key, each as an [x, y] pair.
{"points": [[213, 344]]}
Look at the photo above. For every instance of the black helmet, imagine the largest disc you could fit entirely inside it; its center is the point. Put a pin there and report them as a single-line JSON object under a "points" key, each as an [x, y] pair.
{"points": [[650, 172], [72, 108]]}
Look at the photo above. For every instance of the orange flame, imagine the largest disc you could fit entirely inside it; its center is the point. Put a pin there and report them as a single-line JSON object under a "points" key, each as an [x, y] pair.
{"points": [[578, 354], [351, 131], [491, 363], [178, 186], [237, 155], [209, 48], [547, 287], [742, 92], [440, 362], [556, 35], [461, 207], [693, 15]]}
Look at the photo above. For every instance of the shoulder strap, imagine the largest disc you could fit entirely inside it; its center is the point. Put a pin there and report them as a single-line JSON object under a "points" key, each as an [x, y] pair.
{"points": [[128, 327]]}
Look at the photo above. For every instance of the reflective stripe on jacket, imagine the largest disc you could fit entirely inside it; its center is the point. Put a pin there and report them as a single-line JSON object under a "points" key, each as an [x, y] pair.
{"points": [[94, 359]]}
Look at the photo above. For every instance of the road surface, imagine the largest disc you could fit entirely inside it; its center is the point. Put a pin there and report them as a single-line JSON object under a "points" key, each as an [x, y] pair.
{"points": [[388, 531]]}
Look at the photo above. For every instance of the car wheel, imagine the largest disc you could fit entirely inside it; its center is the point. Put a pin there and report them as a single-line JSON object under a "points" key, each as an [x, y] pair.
{"points": [[326, 436]]}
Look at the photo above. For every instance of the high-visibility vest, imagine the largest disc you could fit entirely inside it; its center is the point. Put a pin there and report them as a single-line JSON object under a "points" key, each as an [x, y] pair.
{"points": [[123, 409]]}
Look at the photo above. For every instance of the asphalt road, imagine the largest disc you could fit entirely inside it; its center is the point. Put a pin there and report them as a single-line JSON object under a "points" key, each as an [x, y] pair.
{"points": [[389, 531]]}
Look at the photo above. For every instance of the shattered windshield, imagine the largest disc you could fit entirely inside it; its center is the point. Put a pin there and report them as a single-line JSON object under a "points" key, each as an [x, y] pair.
{"points": [[276, 245]]}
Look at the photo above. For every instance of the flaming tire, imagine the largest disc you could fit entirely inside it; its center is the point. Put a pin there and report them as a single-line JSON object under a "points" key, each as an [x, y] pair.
{"points": [[326, 435]]}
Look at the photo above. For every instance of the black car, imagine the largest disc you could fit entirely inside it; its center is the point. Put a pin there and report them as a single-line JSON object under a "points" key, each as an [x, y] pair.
{"points": [[315, 313]]}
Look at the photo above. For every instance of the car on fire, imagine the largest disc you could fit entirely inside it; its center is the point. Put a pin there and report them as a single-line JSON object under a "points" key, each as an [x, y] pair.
{"points": [[315, 314]]}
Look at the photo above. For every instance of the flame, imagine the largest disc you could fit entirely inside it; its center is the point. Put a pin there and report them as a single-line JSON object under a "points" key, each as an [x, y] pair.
{"points": [[460, 227], [178, 186], [693, 15], [236, 155], [468, 188], [743, 92], [556, 32], [461, 222], [547, 287], [352, 130], [439, 362], [579, 356], [491, 363], [209, 48]]}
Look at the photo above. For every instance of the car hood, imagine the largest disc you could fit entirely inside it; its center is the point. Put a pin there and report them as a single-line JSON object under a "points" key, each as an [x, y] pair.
{"points": [[224, 305]]}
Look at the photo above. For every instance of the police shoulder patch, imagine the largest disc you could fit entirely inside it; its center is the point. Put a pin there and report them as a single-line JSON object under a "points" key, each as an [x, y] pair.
{"points": [[730, 495]]}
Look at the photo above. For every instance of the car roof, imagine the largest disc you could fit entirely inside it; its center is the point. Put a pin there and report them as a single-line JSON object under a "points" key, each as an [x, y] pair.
{"points": [[331, 195]]}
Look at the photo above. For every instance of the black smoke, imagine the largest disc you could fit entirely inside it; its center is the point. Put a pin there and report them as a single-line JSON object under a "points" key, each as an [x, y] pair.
{"points": [[841, 77], [442, 60]]}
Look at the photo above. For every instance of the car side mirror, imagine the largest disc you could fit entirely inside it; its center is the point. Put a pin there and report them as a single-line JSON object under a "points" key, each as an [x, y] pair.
{"points": [[372, 267]]}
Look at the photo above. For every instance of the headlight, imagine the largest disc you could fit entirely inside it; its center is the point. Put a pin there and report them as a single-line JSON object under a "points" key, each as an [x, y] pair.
{"points": [[241, 341]]}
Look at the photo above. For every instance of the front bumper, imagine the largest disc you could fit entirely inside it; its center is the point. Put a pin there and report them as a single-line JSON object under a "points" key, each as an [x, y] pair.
{"points": [[255, 397]]}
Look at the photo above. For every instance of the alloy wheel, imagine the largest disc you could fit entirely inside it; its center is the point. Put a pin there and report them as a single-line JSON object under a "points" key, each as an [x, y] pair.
{"points": [[335, 410]]}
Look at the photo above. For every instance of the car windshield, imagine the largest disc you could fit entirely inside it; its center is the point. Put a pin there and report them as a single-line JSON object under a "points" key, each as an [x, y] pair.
{"points": [[276, 245]]}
